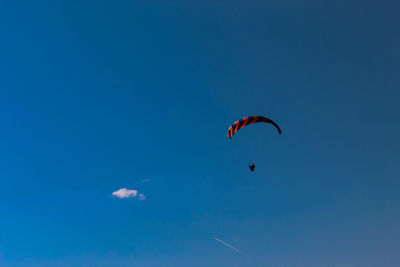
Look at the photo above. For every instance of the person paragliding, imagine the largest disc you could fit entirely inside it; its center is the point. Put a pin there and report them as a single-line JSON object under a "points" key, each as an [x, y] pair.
{"points": [[247, 121], [252, 167]]}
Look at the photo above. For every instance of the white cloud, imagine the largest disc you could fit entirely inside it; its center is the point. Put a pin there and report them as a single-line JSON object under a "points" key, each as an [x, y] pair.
{"points": [[142, 197], [125, 193], [145, 181]]}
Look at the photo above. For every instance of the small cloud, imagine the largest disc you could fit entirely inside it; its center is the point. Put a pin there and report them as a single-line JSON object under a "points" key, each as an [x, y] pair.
{"points": [[125, 193], [142, 197], [145, 181]]}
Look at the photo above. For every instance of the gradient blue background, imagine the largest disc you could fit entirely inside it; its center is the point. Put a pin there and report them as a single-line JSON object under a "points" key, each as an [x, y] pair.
{"points": [[99, 95]]}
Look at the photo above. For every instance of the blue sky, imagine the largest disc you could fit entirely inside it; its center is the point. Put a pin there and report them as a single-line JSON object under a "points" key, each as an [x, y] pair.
{"points": [[100, 95]]}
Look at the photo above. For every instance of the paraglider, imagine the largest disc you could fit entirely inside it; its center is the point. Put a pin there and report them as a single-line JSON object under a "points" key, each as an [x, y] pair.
{"points": [[247, 121]]}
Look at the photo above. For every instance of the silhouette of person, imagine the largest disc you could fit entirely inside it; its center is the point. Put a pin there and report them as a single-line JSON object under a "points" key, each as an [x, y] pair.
{"points": [[252, 166]]}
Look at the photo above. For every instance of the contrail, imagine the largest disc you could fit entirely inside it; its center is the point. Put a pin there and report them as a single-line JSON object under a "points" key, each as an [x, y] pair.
{"points": [[145, 181], [230, 246]]}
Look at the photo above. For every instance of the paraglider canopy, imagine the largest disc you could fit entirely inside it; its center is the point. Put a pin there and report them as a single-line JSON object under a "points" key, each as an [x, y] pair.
{"points": [[247, 121]]}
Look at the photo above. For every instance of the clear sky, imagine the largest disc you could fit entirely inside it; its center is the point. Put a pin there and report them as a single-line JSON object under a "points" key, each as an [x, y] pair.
{"points": [[100, 95]]}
